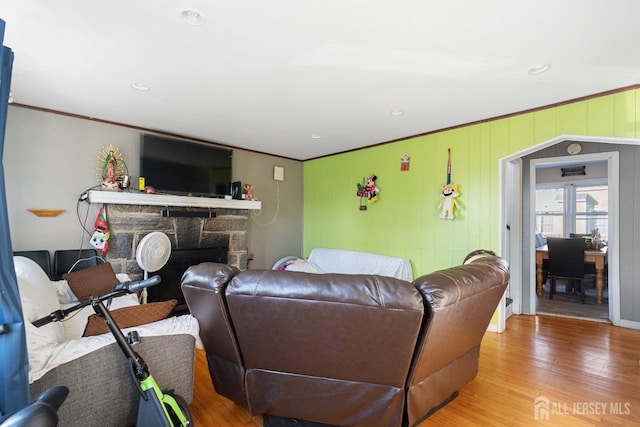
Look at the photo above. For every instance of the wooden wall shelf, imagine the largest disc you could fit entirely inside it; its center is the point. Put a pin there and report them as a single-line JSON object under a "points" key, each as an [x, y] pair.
{"points": [[46, 212]]}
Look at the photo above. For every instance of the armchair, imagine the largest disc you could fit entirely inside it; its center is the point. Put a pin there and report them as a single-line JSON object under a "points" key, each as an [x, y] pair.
{"points": [[101, 391]]}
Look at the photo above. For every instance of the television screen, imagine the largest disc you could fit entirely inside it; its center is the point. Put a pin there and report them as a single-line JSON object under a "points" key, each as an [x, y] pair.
{"points": [[182, 167]]}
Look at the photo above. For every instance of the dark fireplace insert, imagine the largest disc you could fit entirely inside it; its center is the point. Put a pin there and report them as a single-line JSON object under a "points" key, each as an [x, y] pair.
{"points": [[171, 274]]}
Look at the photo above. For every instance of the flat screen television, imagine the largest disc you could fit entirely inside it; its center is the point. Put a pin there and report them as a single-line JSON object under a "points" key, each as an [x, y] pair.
{"points": [[181, 167]]}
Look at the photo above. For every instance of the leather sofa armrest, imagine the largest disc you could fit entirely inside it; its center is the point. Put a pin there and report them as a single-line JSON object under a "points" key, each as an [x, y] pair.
{"points": [[446, 287], [460, 302], [211, 275], [204, 286]]}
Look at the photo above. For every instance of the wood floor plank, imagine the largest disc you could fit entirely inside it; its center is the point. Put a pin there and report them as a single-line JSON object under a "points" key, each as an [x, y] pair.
{"points": [[583, 373]]}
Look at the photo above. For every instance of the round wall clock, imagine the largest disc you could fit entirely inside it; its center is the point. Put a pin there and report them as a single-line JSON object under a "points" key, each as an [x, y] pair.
{"points": [[574, 148]]}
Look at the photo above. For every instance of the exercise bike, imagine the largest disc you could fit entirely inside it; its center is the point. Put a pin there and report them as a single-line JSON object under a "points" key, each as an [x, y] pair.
{"points": [[155, 407]]}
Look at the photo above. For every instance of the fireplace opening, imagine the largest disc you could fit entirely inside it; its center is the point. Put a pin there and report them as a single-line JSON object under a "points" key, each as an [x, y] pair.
{"points": [[171, 274]]}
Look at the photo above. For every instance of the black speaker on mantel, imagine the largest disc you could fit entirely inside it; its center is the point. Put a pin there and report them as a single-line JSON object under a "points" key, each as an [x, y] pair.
{"points": [[236, 190]]}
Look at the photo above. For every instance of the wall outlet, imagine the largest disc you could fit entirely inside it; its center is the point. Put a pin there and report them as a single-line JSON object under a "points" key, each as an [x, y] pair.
{"points": [[278, 173]]}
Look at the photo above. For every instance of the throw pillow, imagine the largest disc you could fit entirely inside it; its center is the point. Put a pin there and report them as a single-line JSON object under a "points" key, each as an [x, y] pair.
{"points": [[128, 317], [92, 281]]}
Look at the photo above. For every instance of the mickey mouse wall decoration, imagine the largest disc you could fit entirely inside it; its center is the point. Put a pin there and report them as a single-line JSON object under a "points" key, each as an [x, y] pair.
{"points": [[368, 190]]}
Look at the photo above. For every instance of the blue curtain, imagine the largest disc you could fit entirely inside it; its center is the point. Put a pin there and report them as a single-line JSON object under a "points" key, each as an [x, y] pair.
{"points": [[14, 363]]}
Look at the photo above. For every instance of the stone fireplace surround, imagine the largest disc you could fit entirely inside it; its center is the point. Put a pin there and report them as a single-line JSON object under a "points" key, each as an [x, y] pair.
{"points": [[131, 215], [128, 224]]}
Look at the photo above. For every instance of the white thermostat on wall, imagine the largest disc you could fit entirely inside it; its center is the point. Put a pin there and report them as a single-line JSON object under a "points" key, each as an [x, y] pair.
{"points": [[574, 148]]}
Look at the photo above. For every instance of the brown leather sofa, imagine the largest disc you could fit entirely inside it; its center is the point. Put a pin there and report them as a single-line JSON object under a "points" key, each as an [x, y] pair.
{"points": [[345, 350]]}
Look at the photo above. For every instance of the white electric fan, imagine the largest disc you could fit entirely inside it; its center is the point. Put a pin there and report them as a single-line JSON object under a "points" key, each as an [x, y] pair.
{"points": [[152, 254]]}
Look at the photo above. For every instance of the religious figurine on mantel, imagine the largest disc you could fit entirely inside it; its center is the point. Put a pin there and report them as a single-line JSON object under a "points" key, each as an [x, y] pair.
{"points": [[110, 168]]}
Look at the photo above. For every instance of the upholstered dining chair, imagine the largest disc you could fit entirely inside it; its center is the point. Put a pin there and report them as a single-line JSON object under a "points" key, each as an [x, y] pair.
{"points": [[566, 261]]}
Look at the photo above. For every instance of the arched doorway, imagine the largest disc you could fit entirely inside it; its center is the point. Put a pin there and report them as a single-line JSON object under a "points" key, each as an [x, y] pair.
{"points": [[517, 226]]}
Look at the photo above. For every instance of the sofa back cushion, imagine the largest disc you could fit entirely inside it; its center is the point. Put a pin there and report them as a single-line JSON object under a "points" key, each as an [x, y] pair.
{"points": [[323, 324], [317, 345]]}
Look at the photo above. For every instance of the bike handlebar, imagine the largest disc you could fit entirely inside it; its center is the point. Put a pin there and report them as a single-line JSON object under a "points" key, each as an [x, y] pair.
{"points": [[132, 287], [119, 289]]}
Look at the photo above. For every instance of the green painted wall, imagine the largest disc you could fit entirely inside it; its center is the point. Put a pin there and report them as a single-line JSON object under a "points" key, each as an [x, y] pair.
{"points": [[404, 222]]}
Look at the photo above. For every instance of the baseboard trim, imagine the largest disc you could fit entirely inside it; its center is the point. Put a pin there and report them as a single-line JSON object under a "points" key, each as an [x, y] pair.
{"points": [[492, 327], [629, 324]]}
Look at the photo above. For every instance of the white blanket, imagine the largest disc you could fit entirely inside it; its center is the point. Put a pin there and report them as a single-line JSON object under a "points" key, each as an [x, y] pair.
{"points": [[322, 260]]}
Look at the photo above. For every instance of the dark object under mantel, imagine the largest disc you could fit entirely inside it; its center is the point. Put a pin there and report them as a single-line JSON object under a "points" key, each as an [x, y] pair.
{"points": [[171, 274]]}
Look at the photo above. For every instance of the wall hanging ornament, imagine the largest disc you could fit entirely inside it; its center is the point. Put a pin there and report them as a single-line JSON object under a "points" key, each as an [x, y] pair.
{"points": [[110, 168], [100, 237], [404, 162], [449, 193], [368, 191]]}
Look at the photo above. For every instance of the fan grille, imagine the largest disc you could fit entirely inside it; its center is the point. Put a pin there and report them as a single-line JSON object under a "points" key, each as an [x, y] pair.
{"points": [[153, 251]]}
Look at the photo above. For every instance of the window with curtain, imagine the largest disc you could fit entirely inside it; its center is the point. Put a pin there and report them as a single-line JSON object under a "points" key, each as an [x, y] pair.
{"points": [[566, 208]]}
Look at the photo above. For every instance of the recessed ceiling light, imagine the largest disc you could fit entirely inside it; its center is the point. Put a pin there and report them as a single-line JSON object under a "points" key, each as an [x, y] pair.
{"points": [[316, 136], [539, 69], [192, 17], [396, 112], [140, 86]]}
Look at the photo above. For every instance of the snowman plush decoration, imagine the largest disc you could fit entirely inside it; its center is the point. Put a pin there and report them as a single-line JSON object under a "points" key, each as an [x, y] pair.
{"points": [[100, 237]]}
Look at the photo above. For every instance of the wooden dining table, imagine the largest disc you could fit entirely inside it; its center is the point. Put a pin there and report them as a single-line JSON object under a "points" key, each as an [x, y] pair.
{"points": [[598, 257]]}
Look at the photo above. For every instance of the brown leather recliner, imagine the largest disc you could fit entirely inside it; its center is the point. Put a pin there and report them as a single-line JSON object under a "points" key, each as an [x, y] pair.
{"points": [[460, 302], [348, 350]]}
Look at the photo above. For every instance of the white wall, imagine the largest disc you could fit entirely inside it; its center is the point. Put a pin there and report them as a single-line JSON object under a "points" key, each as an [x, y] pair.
{"points": [[50, 160]]}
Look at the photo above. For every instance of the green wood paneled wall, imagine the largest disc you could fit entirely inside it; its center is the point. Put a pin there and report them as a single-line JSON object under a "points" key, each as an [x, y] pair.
{"points": [[404, 222]]}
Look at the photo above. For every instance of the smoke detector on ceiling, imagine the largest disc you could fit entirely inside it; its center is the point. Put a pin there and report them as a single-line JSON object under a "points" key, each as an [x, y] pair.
{"points": [[192, 17]]}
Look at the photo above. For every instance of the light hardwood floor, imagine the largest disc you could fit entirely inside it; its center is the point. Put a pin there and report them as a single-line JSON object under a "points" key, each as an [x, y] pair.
{"points": [[581, 373]]}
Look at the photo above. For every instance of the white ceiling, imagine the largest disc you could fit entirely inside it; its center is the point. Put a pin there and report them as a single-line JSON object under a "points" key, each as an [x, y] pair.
{"points": [[268, 75]]}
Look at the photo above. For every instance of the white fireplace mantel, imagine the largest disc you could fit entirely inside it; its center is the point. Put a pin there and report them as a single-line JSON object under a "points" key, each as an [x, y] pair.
{"points": [[140, 198]]}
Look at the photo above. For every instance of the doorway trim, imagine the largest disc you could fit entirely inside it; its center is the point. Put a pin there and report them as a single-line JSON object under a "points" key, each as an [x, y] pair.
{"points": [[511, 223], [612, 159]]}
